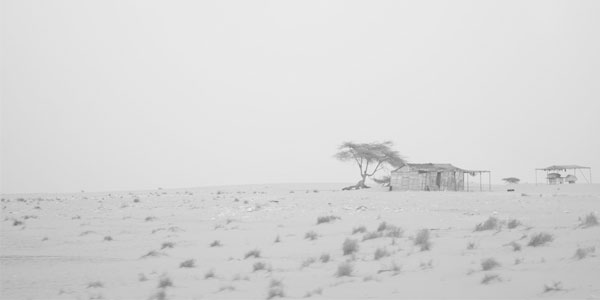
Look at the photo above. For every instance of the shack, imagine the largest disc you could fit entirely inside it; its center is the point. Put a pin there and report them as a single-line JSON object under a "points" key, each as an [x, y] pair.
{"points": [[428, 177]]}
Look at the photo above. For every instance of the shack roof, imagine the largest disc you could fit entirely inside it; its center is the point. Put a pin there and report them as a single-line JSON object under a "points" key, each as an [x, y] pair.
{"points": [[563, 167], [430, 167]]}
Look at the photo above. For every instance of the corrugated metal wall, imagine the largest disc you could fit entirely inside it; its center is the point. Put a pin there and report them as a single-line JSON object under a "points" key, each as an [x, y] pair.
{"points": [[406, 179]]}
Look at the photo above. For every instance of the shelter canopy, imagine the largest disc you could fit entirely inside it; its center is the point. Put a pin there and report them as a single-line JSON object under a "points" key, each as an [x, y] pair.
{"points": [[563, 167]]}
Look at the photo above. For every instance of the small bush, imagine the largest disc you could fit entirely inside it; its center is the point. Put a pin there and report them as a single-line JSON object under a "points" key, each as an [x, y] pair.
{"points": [[513, 223], [216, 243], [490, 224], [277, 239], [259, 266], [165, 282], [95, 284], [589, 221], [360, 229], [309, 261], [108, 238], [350, 246], [153, 253], [540, 239], [422, 239], [380, 253], [382, 226], [209, 274], [17, 222], [489, 278], [582, 253], [326, 219], [344, 269], [394, 231], [471, 246], [488, 264], [150, 219], [372, 235], [252, 253], [275, 289], [311, 235], [166, 245], [190, 263], [556, 286], [325, 258], [516, 246]]}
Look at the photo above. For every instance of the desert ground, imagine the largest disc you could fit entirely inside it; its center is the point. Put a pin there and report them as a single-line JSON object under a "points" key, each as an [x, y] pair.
{"points": [[302, 240]]}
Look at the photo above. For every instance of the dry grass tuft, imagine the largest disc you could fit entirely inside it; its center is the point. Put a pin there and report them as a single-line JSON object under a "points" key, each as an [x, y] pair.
{"points": [[166, 245], [540, 239], [350, 246], [252, 253], [513, 223], [309, 261], [95, 284], [190, 263], [165, 282], [372, 235], [325, 258], [380, 253], [209, 274], [153, 253], [589, 221], [516, 246], [311, 235], [489, 263], [556, 286], [582, 253], [259, 266], [359, 229], [489, 278], [327, 219], [490, 224], [422, 239], [344, 269], [216, 243], [275, 289], [108, 238]]}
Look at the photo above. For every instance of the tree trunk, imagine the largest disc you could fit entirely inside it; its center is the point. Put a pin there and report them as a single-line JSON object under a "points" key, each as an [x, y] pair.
{"points": [[359, 185]]}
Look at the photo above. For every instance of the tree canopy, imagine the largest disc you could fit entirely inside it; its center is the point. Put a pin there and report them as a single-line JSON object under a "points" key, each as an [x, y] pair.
{"points": [[511, 180], [370, 158]]}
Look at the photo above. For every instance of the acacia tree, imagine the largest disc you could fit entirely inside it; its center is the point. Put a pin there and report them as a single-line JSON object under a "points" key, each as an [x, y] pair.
{"points": [[512, 180], [370, 158]]}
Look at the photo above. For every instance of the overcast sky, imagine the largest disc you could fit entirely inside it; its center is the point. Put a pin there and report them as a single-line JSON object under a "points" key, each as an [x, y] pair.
{"points": [[118, 95]]}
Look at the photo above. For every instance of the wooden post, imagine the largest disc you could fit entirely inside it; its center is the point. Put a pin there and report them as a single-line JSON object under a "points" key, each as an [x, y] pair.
{"points": [[480, 185], [490, 180]]}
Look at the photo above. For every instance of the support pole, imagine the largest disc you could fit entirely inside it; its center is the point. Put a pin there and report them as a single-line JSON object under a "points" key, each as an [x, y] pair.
{"points": [[490, 180], [480, 185]]}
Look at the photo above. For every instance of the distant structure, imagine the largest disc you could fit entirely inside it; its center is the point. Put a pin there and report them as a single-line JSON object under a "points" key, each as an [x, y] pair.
{"points": [[433, 177], [553, 175]]}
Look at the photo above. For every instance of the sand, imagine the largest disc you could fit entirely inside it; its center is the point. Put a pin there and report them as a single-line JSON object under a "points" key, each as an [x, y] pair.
{"points": [[122, 245]]}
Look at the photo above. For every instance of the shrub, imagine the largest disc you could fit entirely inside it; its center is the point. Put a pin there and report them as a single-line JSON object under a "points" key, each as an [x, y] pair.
{"points": [[308, 262], [394, 231], [350, 246], [153, 253], [589, 221], [325, 258], [311, 235], [190, 263], [488, 278], [275, 289], [167, 245], [582, 253], [516, 246], [209, 274], [165, 282], [372, 235], [326, 219], [382, 226], [259, 266], [422, 239], [252, 253], [488, 264], [540, 239], [277, 239], [359, 229], [17, 223], [216, 243], [514, 223], [108, 238], [556, 286], [490, 224], [380, 252], [344, 269], [471, 246], [95, 284]]}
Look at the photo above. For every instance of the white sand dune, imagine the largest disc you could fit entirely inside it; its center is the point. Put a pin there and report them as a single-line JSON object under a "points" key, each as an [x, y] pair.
{"points": [[92, 245]]}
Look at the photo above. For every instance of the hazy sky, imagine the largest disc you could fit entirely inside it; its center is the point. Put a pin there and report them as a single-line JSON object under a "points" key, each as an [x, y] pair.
{"points": [[117, 95]]}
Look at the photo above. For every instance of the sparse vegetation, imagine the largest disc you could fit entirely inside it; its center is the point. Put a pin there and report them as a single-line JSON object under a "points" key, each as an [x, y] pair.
{"points": [[153, 253], [589, 221], [277, 239], [150, 219], [108, 238], [350, 246], [372, 235], [422, 239], [344, 269], [317, 291], [309, 261], [166, 245], [259, 266], [252, 253], [325, 258], [275, 289], [513, 223], [209, 274], [95, 284], [216, 243], [471, 246], [489, 263], [540, 239], [491, 223], [190, 263], [516, 246], [489, 278], [164, 282], [556, 286], [359, 229], [382, 226], [311, 235], [582, 253], [380, 253], [326, 219]]}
